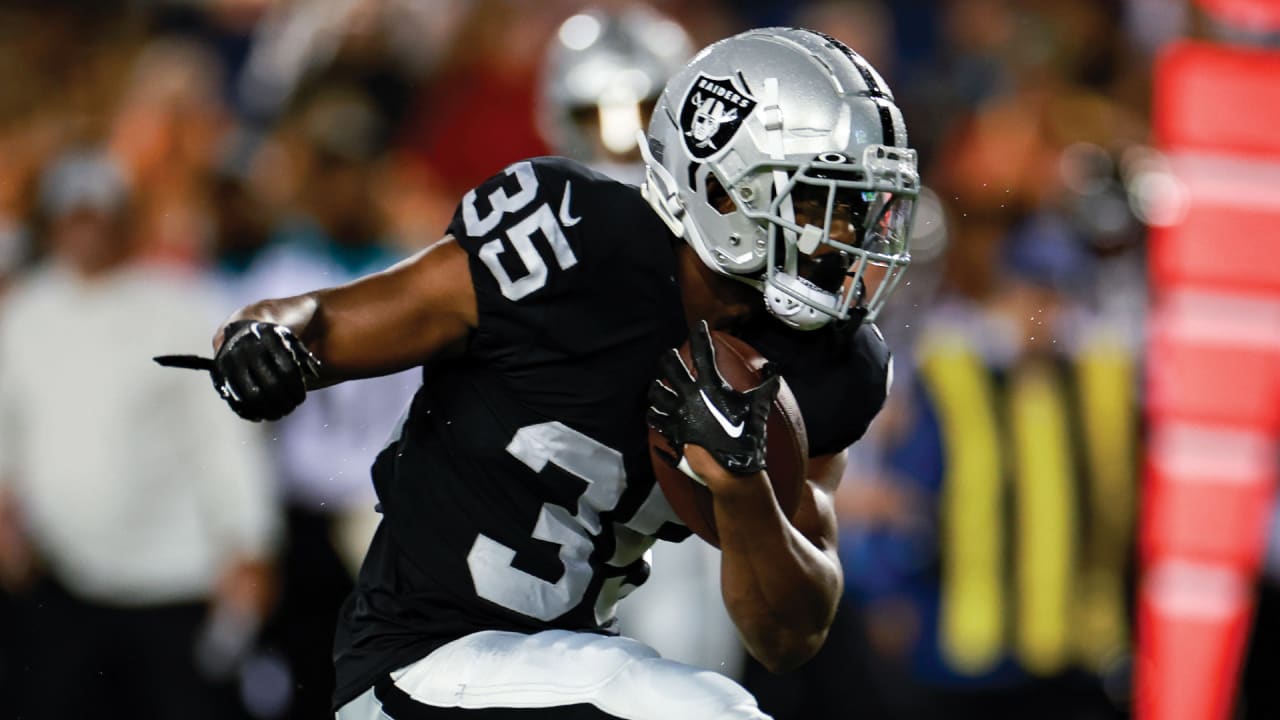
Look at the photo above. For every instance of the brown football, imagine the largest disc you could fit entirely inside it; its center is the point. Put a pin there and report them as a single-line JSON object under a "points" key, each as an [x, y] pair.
{"points": [[786, 452]]}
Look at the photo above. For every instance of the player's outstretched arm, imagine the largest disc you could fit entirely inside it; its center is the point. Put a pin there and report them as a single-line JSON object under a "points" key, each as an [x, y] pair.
{"points": [[269, 353], [780, 578]]}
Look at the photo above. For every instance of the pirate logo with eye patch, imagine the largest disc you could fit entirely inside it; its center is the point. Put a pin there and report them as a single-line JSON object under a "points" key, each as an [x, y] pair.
{"points": [[711, 114]]}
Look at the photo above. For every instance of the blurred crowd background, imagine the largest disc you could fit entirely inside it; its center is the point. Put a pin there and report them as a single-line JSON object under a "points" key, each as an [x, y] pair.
{"points": [[162, 163]]}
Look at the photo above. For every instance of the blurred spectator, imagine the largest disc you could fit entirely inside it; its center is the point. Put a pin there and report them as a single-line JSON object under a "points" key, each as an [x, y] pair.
{"points": [[391, 50], [989, 544], [323, 451], [601, 77], [384, 46], [167, 130], [136, 518], [241, 218], [478, 114], [997, 578], [864, 25]]}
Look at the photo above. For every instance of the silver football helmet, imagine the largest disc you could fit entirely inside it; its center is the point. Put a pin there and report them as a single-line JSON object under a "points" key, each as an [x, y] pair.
{"points": [[601, 76], [780, 156]]}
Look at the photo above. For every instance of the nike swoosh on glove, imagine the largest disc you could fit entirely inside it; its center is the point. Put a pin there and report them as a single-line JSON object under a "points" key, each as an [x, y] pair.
{"points": [[707, 412]]}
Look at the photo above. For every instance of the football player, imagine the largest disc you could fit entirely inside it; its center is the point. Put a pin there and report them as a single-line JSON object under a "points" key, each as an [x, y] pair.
{"points": [[601, 77], [517, 495]]}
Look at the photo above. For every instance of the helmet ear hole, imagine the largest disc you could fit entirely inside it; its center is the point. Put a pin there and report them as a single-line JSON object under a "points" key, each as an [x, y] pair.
{"points": [[718, 198]]}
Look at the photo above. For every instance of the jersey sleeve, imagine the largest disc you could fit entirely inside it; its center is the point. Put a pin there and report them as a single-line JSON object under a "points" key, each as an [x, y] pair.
{"points": [[839, 375], [867, 377], [561, 259]]}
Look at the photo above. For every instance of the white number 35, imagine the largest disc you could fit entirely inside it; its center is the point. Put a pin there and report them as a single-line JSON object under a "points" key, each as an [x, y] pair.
{"points": [[541, 220]]}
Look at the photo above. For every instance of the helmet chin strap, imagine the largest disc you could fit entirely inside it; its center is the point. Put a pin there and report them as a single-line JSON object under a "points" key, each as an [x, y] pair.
{"points": [[779, 298]]}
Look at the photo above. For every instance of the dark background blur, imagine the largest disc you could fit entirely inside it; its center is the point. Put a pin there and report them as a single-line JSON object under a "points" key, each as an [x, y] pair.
{"points": [[240, 126], [193, 97]]}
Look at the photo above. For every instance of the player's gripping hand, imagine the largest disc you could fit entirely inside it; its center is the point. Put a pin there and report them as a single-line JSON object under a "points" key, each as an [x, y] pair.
{"points": [[262, 369], [707, 412]]}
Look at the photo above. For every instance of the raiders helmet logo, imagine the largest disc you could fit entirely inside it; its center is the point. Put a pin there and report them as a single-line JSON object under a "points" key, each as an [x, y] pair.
{"points": [[712, 111]]}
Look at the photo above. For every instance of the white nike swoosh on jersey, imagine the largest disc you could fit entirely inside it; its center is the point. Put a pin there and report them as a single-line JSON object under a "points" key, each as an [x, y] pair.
{"points": [[734, 431], [565, 218]]}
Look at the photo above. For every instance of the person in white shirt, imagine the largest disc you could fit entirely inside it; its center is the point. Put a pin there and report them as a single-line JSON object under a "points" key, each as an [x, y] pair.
{"points": [[137, 520]]}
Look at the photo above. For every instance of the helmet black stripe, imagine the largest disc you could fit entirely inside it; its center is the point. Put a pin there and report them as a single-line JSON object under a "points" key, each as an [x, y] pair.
{"points": [[886, 121], [862, 66]]}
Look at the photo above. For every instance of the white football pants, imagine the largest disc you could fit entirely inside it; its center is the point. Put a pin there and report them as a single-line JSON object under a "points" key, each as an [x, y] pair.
{"points": [[619, 677]]}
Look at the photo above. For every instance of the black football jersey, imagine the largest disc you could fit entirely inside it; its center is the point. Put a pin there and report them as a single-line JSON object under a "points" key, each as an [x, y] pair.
{"points": [[518, 493]]}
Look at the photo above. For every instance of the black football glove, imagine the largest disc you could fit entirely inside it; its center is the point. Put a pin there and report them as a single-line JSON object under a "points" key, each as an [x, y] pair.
{"points": [[262, 370], [707, 412]]}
